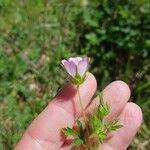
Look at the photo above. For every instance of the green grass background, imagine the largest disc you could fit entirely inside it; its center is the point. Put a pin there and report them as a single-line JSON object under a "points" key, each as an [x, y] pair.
{"points": [[35, 35]]}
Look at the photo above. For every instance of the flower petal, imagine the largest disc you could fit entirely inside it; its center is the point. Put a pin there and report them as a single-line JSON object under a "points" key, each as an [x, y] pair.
{"points": [[76, 60], [70, 67], [63, 61], [82, 66]]}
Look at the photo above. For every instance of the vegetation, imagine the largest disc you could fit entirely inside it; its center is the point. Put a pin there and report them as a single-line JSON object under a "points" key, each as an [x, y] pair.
{"points": [[35, 35]]}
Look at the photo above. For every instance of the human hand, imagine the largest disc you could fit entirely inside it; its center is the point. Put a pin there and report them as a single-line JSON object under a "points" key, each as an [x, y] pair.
{"points": [[44, 133]]}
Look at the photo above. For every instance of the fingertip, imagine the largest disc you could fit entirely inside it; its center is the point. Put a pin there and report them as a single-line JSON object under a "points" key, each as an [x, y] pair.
{"points": [[118, 88], [131, 119], [69, 90], [122, 87], [116, 95], [90, 81], [132, 113]]}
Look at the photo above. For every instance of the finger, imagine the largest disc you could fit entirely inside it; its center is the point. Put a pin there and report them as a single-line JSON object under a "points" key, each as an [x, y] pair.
{"points": [[116, 94], [130, 118], [45, 131]]}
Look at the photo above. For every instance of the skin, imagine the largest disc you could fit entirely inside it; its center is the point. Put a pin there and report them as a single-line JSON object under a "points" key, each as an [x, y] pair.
{"points": [[44, 132]]}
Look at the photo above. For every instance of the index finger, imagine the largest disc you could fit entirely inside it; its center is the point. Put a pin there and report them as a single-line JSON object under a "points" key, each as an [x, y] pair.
{"points": [[45, 130]]}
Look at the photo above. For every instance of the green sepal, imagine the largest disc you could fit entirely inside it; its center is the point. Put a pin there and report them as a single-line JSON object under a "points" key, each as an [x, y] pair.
{"points": [[78, 80]]}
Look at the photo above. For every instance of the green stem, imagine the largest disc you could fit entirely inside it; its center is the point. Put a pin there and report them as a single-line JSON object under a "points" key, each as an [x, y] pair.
{"points": [[85, 120]]}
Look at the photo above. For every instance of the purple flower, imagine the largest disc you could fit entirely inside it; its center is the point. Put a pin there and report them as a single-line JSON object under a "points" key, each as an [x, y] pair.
{"points": [[76, 66]]}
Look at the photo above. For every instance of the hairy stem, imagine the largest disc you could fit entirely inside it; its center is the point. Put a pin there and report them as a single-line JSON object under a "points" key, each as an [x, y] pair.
{"points": [[85, 120]]}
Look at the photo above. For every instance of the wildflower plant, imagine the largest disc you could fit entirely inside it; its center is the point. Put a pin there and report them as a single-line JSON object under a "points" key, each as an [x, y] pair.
{"points": [[76, 67], [95, 129]]}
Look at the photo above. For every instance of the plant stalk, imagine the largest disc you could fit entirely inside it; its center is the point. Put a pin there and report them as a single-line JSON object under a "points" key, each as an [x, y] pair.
{"points": [[85, 120]]}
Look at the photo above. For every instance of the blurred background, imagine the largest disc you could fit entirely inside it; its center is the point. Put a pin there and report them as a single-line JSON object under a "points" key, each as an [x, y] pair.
{"points": [[36, 34]]}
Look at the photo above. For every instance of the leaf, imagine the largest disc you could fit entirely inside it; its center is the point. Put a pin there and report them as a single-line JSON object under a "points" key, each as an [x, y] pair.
{"points": [[103, 108], [79, 138], [99, 128], [80, 128], [114, 125], [68, 131], [77, 142]]}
